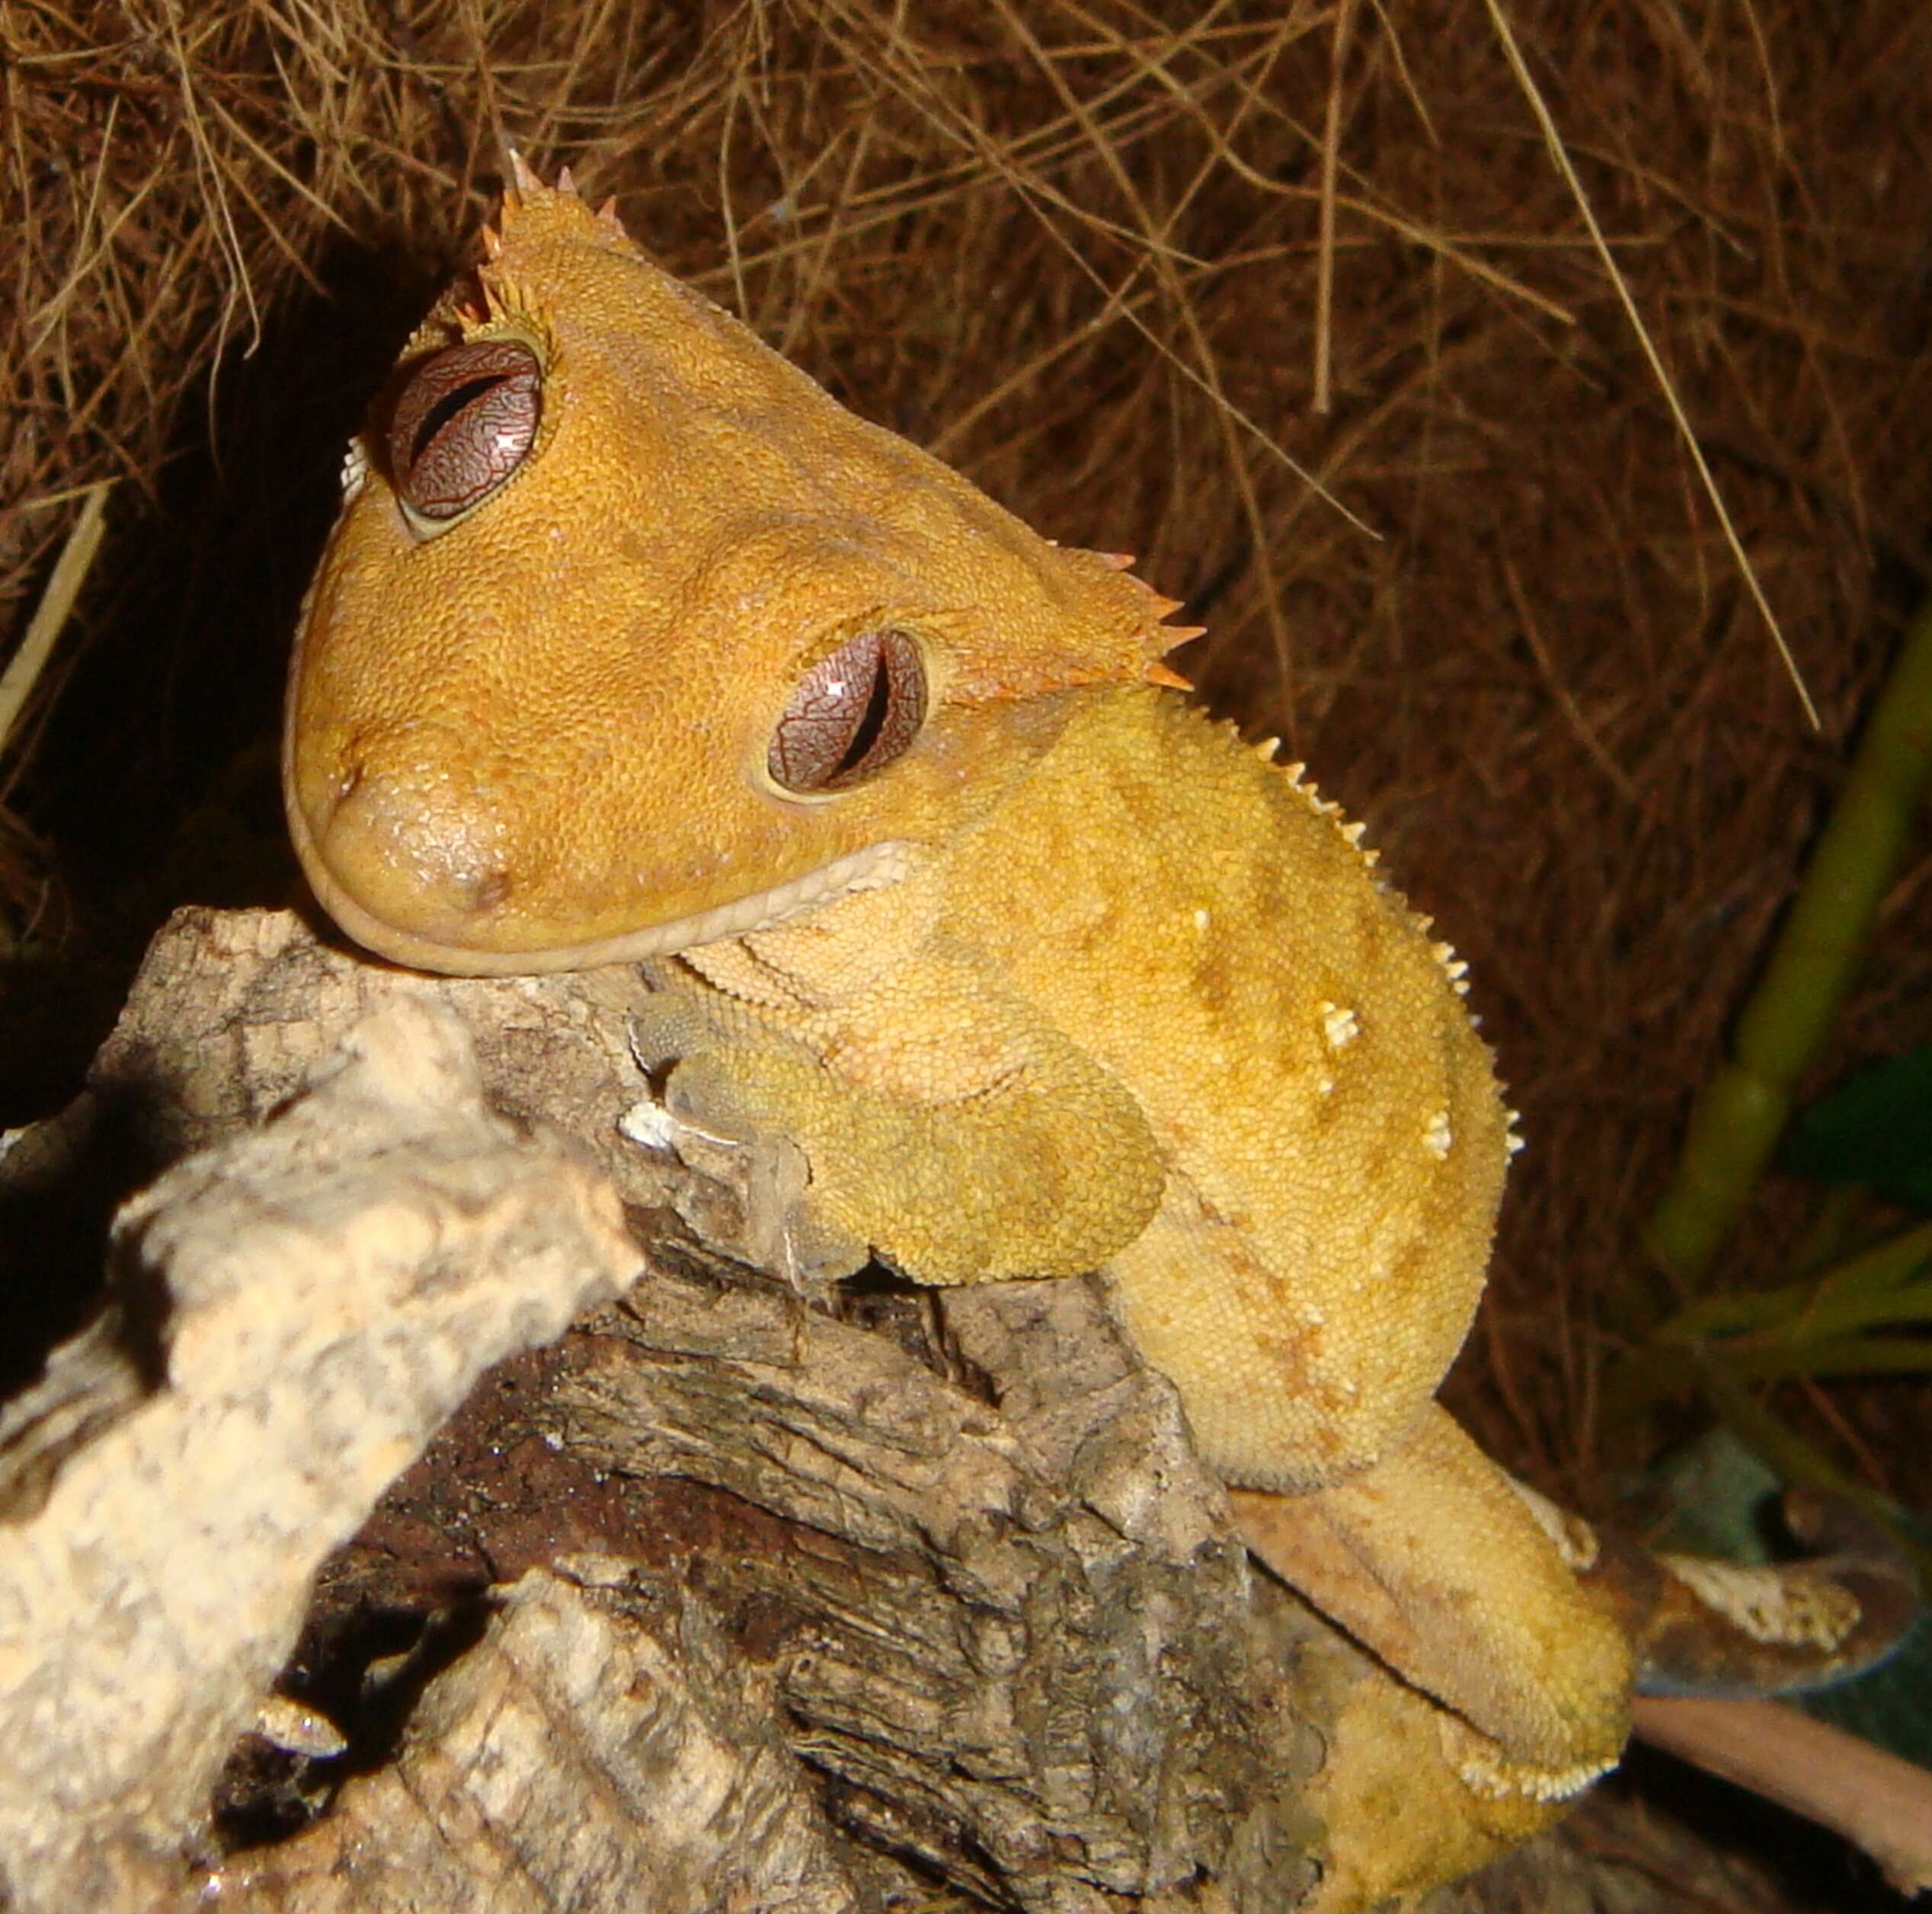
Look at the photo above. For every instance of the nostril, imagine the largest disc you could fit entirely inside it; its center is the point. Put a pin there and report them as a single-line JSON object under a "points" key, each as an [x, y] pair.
{"points": [[489, 892], [407, 840]]}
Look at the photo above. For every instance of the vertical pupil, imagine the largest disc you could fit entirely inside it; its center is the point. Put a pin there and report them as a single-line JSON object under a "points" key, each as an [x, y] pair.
{"points": [[871, 721], [850, 714]]}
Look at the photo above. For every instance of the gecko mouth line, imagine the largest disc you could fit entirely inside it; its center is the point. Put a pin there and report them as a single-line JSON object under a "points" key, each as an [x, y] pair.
{"points": [[871, 868]]}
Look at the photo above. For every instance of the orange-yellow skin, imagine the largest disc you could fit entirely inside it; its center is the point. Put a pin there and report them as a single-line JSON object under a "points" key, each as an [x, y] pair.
{"points": [[1079, 981]]}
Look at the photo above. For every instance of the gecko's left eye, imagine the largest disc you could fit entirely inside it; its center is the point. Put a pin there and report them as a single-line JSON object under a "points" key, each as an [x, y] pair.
{"points": [[852, 714], [462, 423]]}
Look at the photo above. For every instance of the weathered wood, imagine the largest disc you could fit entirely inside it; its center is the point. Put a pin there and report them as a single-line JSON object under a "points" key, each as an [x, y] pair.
{"points": [[575, 1757], [295, 1311]]}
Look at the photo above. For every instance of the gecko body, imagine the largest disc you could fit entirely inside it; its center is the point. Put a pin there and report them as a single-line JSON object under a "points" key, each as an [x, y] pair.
{"points": [[632, 645]]}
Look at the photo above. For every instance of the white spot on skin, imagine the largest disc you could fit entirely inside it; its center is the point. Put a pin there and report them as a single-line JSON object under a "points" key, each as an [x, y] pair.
{"points": [[1202, 919], [1340, 1027], [355, 470], [1437, 1138]]}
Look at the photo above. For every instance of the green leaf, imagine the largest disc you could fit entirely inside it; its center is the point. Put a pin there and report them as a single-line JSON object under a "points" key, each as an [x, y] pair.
{"points": [[1874, 1129]]}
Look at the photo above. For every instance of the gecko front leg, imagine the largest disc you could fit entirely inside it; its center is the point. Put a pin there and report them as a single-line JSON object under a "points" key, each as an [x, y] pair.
{"points": [[941, 1123]]}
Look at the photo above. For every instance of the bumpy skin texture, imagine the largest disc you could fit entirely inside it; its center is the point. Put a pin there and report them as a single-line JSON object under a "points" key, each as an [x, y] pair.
{"points": [[1077, 981]]}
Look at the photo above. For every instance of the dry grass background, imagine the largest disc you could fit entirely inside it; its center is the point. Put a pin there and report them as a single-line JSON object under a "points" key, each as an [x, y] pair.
{"points": [[1109, 257]]}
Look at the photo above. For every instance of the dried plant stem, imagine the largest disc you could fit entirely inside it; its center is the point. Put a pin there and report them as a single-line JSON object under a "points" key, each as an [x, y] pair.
{"points": [[1560, 154], [63, 587], [1740, 1114], [1325, 248]]}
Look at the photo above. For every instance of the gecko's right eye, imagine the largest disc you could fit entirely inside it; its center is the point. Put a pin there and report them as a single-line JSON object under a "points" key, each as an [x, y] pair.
{"points": [[464, 421], [850, 715]]}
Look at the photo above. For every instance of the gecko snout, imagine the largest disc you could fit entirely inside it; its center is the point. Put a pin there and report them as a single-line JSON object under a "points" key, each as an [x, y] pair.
{"points": [[409, 851]]}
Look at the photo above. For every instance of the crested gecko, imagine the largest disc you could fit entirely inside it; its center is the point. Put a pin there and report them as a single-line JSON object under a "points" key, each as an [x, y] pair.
{"points": [[631, 645]]}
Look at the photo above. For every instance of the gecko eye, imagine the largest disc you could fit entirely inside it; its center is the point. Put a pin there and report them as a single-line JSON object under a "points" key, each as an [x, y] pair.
{"points": [[461, 426], [852, 714]]}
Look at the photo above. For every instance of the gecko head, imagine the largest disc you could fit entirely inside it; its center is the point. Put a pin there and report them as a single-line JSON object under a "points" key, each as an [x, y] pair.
{"points": [[628, 636]]}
